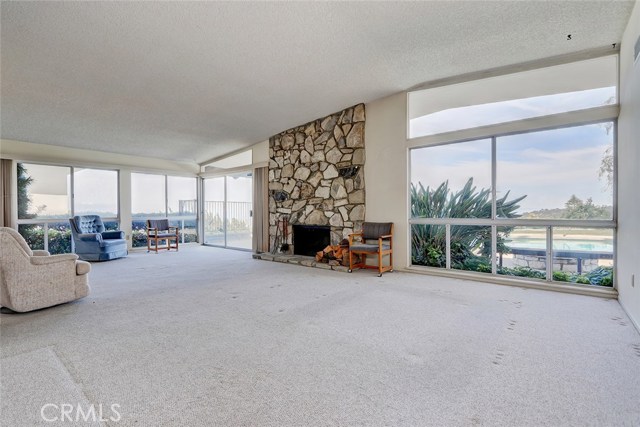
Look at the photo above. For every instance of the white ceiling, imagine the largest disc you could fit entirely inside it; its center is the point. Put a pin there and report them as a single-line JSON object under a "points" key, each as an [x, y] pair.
{"points": [[193, 81]]}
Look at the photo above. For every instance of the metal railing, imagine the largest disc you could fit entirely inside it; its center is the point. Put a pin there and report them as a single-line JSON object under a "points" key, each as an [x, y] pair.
{"points": [[238, 215]]}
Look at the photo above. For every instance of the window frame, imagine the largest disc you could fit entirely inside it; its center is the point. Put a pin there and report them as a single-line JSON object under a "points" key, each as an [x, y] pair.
{"points": [[608, 113], [183, 218], [45, 222], [494, 222]]}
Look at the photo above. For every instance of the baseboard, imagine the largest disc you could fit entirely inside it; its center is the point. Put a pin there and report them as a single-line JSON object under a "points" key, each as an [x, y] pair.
{"points": [[633, 321]]}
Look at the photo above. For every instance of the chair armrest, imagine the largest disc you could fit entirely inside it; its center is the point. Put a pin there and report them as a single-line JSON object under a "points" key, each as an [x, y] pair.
{"points": [[53, 259], [385, 237], [113, 234], [152, 230], [174, 226], [352, 235], [40, 253], [90, 237]]}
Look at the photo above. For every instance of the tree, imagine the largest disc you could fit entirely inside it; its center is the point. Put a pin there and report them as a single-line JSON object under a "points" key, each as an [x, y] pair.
{"points": [[428, 242], [575, 208], [24, 201], [606, 167]]}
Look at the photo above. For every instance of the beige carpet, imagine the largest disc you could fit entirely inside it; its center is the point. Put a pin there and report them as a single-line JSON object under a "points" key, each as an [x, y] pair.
{"points": [[211, 337]]}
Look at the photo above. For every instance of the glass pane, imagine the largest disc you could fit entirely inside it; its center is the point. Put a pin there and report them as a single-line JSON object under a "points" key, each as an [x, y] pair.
{"points": [[182, 198], [188, 229], [522, 252], [583, 255], [147, 195], [95, 192], [33, 234], [139, 232], [147, 202], [239, 206], [557, 174], [59, 238], [535, 93], [214, 211], [471, 248], [429, 245], [43, 191], [111, 225], [452, 181]]}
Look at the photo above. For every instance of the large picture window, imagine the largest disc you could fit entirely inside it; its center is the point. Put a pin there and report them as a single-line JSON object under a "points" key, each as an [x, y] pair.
{"points": [[163, 196], [538, 205], [49, 195]]}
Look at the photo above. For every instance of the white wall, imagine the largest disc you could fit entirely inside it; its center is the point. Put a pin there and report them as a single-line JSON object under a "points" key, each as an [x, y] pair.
{"points": [[260, 152], [629, 172], [386, 170]]}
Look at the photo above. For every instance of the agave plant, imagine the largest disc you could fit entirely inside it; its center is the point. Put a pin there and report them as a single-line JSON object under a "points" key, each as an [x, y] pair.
{"points": [[428, 242]]}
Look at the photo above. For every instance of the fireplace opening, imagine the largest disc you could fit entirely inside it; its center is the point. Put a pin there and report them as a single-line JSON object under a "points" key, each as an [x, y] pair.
{"points": [[309, 239]]}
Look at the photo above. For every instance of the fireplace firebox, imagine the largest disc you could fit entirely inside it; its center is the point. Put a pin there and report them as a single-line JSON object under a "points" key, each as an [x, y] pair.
{"points": [[309, 239]]}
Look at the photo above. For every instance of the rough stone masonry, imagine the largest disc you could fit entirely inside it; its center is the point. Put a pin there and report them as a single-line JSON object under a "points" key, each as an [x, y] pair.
{"points": [[316, 174]]}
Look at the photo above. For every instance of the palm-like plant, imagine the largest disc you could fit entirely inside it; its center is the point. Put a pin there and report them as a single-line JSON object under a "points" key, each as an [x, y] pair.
{"points": [[428, 242]]}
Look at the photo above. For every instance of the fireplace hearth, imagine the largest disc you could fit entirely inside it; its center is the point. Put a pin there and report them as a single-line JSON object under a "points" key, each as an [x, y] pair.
{"points": [[309, 239]]}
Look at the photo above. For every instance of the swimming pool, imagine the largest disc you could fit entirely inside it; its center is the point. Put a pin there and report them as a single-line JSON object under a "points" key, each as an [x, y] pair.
{"points": [[604, 245]]}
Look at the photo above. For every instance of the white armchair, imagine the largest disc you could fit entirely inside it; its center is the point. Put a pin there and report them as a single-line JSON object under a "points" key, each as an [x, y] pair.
{"points": [[30, 280]]}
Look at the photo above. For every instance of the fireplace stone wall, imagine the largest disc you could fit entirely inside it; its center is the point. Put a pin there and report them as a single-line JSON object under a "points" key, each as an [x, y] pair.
{"points": [[316, 174]]}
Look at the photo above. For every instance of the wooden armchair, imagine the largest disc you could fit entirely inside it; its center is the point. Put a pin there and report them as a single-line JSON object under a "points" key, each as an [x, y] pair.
{"points": [[159, 230], [376, 238]]}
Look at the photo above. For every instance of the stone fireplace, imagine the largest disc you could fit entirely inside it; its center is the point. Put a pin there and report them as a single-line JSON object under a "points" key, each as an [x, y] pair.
{"points": [[316, 175]]}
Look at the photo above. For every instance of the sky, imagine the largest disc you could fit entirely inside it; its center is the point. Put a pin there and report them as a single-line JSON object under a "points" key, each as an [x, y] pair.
{"points": [[96, 191], [548, 167], [509, 110]]}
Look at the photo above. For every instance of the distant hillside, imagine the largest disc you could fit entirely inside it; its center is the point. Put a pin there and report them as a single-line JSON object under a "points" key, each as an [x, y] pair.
{"points": [[606, 212]]}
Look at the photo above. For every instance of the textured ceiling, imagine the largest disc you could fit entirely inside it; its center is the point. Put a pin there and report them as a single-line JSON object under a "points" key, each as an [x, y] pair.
{"points": [[192, 81]]}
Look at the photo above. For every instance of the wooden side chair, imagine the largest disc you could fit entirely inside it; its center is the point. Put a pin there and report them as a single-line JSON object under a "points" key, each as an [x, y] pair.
{"points": [[159, 230], [376, 238]]}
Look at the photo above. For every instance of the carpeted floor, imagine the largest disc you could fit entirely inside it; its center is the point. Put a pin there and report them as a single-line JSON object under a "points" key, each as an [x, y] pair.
{"points": [[209, 337]]}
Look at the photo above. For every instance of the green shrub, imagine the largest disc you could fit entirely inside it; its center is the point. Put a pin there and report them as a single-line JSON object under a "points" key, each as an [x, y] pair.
{"points": [[581, 279], [59, 238], [561, 276], [522, 272], [483, 268], [601, 276]]}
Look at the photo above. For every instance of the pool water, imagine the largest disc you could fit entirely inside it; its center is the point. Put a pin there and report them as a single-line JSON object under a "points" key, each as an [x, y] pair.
{"points": [[561, 245]]}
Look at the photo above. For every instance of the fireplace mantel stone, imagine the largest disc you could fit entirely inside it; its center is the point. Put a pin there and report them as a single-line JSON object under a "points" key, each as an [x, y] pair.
{"points": [[316, 174]]}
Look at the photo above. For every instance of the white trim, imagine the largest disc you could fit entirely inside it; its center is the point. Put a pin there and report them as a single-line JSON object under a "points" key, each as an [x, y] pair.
{"points": [[231, 171], [523, 66], [628, 313], [230, 154], [502, 222], [590, 290]]}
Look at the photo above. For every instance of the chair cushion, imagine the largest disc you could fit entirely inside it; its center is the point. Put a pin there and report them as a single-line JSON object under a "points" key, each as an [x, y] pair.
{"points": [[113, 243], [82, 267], [365, 247], [373, 230], [89, 224], [162, 235]]}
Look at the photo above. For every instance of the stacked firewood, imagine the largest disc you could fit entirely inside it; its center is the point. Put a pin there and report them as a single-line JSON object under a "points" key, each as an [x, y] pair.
{"points": [[335, 254]]}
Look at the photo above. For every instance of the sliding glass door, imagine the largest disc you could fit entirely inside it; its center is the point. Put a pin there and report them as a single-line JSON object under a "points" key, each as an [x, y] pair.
{"points": [[228, 211]]}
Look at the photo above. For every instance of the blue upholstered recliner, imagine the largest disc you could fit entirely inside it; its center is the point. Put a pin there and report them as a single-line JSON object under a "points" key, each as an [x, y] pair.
{"points": [[93, 243]]}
